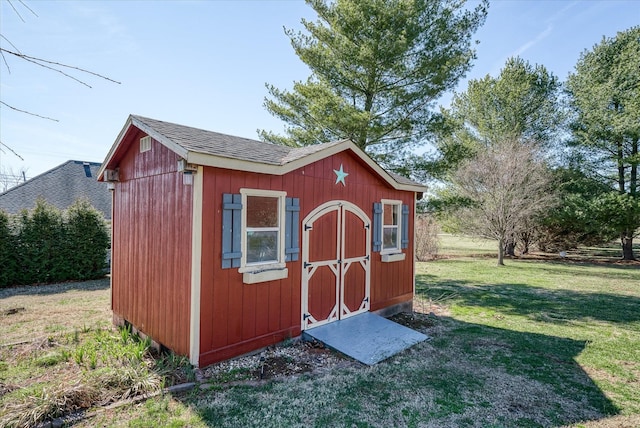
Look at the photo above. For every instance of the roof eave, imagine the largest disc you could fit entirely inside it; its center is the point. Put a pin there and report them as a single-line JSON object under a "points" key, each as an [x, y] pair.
{"points": [[207, 159], [113, 149]]}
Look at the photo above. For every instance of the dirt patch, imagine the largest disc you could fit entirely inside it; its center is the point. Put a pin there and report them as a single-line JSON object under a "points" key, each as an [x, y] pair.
{"points": [[5, 389], [513, 397], [12, 311], [284, 360], [415, 320], [275, 367], [632, 376]]}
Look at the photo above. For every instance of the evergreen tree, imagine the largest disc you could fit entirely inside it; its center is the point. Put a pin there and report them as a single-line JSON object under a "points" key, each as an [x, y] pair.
{"points": [[88, 241], [42, 240], [605, 96], [521, 104], [579, 218], [377, 67], [8, 262], [45, 245]]}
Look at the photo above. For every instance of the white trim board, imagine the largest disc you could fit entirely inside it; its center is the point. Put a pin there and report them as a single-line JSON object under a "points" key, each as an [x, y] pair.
{"points": [[196, 268]]}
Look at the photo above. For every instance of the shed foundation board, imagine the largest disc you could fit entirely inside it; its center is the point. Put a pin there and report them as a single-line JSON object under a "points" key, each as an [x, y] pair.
{"points": [[368, 338]]}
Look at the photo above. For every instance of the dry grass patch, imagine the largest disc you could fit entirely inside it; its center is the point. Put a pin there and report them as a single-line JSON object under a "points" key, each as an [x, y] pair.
{"points": [[60, 354], [79, 371], [50, 310]]}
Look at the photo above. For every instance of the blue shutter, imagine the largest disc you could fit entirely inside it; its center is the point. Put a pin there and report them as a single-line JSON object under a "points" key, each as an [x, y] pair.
{"points": [[377, 226], [231, 230], [292, 232], [405, 227]]}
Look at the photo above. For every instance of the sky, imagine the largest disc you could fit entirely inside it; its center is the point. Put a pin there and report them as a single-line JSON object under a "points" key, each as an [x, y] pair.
{"points": [[205, 64]]}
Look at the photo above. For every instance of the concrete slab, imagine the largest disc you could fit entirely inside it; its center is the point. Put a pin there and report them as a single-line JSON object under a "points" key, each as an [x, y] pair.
{"points": [[367, 337]]}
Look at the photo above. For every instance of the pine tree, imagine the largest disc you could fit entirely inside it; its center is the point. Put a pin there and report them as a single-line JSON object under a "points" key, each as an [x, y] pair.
{"points": [[605, 95], [377, 67]]}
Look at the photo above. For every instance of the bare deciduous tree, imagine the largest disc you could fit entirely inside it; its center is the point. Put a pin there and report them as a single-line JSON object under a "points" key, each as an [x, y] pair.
{"points": [[427, 241], [65, 70], [506, 185]]}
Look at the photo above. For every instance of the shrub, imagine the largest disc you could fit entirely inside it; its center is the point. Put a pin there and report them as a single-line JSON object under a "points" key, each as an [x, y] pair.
{"points": [[8, 261], [41, 242], [87, 240], [46, 245]]}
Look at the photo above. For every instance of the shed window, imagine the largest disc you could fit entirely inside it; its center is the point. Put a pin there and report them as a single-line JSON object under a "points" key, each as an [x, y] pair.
{"points": [[390, 226], [260, 233], [145, 144], [390, 229], [262, 229]]}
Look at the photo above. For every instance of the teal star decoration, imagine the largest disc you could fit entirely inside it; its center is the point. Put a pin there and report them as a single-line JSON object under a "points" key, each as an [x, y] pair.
{"points": [[340, 175]]}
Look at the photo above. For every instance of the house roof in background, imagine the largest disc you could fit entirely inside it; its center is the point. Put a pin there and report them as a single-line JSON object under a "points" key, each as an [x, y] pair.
{"points": [[61, 187], [208, 148]]}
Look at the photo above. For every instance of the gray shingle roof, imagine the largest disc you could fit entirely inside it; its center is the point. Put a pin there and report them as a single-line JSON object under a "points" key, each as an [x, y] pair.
{"points": [[228, 146], [215, 143], [403, 180], [61, 187]]}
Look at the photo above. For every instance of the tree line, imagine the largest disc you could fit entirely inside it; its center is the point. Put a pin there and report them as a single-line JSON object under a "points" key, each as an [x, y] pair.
{"points": [[521, 158], [45, 244]]}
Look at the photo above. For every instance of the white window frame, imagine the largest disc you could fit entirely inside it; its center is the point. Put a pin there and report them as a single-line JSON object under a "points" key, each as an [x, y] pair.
{"points": [[252, 268], [398, 248]]}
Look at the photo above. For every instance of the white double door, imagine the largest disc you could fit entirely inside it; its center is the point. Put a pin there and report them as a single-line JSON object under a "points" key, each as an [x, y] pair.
{"points": [[336, 259]]}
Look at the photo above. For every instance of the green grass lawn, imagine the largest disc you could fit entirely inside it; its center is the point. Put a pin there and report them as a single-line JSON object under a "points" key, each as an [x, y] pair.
{"points": [[546, 315], [462, 246], [536, 343]]}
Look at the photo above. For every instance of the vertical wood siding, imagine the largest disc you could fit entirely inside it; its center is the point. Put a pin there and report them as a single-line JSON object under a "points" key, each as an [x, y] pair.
{"points": [[152, 245], [236, 318]]}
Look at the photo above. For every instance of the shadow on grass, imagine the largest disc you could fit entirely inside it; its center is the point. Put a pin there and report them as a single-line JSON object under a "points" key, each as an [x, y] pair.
{"points": [[48, 289], [532, 379], [622, 270], [537, 303], [469, 375]]}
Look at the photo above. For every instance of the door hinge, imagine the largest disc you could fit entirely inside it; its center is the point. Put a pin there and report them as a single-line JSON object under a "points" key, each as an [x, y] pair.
{"points": [[305, 316], [366, 299], [307, 227], [306, 264]]}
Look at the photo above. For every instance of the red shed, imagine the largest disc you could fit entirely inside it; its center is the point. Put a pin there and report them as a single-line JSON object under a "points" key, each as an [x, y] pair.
{"points": [[223, 245]]}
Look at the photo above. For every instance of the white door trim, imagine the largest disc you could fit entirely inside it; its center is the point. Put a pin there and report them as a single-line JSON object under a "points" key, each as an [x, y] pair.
{"points": [[339, 266]]}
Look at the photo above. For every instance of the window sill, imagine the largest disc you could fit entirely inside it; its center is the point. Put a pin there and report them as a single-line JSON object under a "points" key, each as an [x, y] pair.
{"points": [[265, 275], [397, 257], [261, 267]]}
